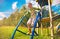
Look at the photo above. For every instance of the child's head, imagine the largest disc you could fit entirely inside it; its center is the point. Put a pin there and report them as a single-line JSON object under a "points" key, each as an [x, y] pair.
{"points": [[29, 5]]}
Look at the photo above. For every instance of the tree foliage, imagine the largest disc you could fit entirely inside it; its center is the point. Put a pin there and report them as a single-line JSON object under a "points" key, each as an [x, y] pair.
{"points": [[14, 18]]}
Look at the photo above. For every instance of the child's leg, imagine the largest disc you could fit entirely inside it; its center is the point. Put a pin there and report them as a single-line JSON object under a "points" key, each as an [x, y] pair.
{"points": [[29, 28], [29, 25]]}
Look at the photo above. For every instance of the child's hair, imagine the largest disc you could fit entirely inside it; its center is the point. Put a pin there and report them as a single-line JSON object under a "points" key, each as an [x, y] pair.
{"points": [[30, 5]]}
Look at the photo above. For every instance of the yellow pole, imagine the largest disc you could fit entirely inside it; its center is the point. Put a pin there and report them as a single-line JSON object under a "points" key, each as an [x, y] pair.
{"points": [[41, 23], [51, 25]]}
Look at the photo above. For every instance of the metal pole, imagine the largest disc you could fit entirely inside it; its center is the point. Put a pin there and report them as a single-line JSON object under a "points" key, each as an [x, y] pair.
{"points": [[51, 25]]}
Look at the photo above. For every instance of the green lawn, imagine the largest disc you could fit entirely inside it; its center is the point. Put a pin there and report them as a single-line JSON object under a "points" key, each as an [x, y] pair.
{"points": [[6, 32]]}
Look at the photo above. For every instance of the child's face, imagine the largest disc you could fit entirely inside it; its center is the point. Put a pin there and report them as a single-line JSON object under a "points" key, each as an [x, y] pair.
{"points": [[30, 5]]}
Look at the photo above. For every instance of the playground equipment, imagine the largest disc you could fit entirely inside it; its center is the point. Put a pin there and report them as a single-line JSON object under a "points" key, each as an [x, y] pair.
{"points": [[38, 16], [58, 27], [22, 22]]}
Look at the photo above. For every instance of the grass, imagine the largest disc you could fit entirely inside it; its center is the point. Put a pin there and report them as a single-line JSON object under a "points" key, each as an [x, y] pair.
{"points": [[6, 32]]}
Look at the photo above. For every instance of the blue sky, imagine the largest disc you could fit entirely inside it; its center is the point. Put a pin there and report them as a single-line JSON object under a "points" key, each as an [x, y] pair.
{"points": [[8, 6]]}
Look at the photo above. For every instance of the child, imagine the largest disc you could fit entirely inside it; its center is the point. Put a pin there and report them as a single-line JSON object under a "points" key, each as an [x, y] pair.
{"points": [[31, 19]]}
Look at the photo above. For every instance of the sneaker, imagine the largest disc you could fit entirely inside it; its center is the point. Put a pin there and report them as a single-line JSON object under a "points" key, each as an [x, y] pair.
{"points": [[29, 33]]}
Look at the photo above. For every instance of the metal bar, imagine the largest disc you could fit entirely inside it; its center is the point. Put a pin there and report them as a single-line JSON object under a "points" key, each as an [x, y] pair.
{"points": [[24, 32], [17, 27], [35, 33], [35, 23], [21, 32], [24, 23]]}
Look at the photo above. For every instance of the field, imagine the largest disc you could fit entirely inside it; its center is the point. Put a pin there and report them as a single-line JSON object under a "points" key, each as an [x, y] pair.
{"points": [[6, 33]]}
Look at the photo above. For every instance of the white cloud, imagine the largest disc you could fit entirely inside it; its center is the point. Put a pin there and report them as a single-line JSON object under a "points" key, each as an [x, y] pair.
{"points": [[55, 2], [1, 18], [14, 5], [2, 15]]}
